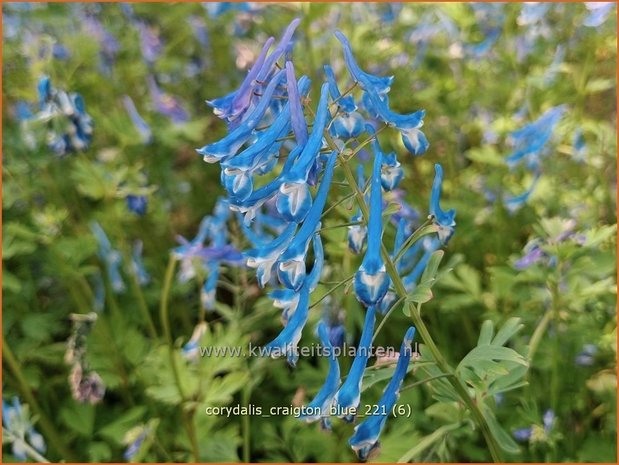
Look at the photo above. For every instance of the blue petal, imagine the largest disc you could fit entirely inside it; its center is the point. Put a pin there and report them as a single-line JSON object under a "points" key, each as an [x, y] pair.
{"points": [[292, 261], [445, 219], [348, 396], [371, 281], [232, 142], [367, 432], [321, 404]]}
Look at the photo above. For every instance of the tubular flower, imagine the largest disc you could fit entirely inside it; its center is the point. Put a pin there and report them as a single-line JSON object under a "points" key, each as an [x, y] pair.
{"points": [[357, 233], [530, 140], [293, 199], [371, 281], [111, 258], [349, 122], [140, 125], [445, 220], [375, 89], [348, 396], [234, 140], [365, 439], [321, 404], [291, 264]]}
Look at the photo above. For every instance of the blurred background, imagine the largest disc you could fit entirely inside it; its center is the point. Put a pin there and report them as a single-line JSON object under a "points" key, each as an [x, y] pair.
{"points": [[95, 193]]}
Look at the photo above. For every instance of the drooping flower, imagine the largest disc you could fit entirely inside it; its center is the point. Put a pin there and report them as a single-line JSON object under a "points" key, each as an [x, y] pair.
{"points": [[348, 396], [348, 123], [529, 140], [140, 125], [234, 140], [357, 233], [321, 404], [110, 257], [371, 281], [137, 263], [190, 350], [445, 220], [291, 264], [375, 94], [365, 438], [166, 104]]}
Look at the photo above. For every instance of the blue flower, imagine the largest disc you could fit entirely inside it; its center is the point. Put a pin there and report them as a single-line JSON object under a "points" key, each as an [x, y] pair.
{"points": [[299, 126], [522, 434], [321, 404], [445, 220], [150, 42], [264, 256], [143, 129], [348, 122], [234, 140], [357, 233], [111, 258], [534, 254], [191, 350], [233, 105], [529, 140], [288, 299], [348, 396], [291, 264], [365, 438], [599, 11], [371, 281], [293, 199], [138, 265], [513, 203], [288, 339], [21, 433], [137, 204], [430, 245], [586, 357], [375, 90], [166, 104]]}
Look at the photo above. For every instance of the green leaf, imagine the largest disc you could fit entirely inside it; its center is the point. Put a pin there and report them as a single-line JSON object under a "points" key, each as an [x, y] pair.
{"points": [[485, 335]]}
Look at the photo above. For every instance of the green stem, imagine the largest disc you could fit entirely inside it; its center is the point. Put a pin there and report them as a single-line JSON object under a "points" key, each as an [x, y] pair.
{"points": [[457, 384], [537, 335], [139, 295], [31, 451], [48, 428], [164, 313], [165, 324]]}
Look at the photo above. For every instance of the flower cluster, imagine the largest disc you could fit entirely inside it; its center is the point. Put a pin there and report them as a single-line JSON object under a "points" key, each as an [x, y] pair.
{"points": [[197, 258], [68, 127], [529, 147], [272, 160], [17, 429]]}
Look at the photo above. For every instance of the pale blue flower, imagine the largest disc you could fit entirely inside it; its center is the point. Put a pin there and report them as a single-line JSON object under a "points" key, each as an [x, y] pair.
{"points": [[599, 12], [529, 140], [140, 125], [111, 258]]}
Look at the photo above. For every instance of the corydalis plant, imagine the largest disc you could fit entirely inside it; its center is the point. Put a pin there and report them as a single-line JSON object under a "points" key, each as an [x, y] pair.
{"points": [[278, 172]]}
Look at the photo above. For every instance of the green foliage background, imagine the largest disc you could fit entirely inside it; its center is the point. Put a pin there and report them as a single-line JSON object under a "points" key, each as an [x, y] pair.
{"points": [[49, 254]]}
